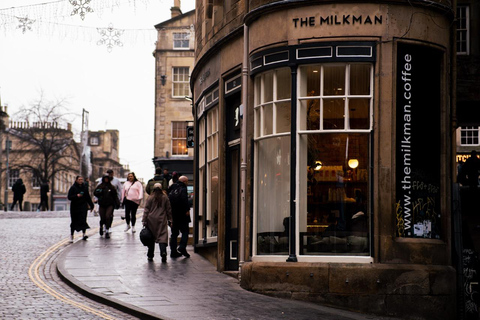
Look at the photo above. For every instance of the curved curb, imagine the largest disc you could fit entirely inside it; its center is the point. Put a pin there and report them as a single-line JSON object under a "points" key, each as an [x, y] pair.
{"points": [[99, 297]]}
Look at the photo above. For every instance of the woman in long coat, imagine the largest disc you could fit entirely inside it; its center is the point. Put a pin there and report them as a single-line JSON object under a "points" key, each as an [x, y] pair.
{"points": [[157, 215], [81, 203]]}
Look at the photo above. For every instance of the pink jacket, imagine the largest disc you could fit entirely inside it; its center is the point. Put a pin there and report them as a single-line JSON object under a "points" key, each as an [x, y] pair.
{"points": [[133, 192]]}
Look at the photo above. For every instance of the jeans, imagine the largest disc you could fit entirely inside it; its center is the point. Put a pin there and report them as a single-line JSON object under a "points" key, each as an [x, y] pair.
{"points": [[176, 228], [130, 212]]}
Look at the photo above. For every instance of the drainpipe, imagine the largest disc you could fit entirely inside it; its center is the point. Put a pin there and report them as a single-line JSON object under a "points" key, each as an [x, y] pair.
{"points": [[243, 152]]}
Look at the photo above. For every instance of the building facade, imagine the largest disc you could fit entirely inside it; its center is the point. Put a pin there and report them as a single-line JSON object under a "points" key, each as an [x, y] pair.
{"points": [[105, 153], [174, 59], [38, 152], [324, 151]]}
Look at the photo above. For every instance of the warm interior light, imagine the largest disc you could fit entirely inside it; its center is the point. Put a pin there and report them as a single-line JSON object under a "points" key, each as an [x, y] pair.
{"points": [[318, 165], [315, 71], [353, 163]]}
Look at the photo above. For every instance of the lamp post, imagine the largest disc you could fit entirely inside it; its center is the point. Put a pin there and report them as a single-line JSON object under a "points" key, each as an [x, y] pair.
{"points": [[8, 146]]}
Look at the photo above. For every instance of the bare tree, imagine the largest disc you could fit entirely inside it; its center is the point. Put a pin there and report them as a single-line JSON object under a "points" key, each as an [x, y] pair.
{"points": [[42, 141]]}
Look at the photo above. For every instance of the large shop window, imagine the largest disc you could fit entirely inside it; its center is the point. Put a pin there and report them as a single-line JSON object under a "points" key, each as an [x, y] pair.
{"points": [[272, 179], [208, 175], [334, 111]]}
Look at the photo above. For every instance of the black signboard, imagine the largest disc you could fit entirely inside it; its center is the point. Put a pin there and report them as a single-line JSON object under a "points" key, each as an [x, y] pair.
{"points": [[418, 108]]}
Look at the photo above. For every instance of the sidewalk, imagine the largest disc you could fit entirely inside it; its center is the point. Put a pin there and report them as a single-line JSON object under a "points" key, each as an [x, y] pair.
{"points": [[116, 272]]}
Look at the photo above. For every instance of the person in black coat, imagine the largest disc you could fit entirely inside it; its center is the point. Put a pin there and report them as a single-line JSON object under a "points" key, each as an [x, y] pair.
{"points": [[108, 200], [81, 202], [19, 190], [44, 190], [180, 216]]}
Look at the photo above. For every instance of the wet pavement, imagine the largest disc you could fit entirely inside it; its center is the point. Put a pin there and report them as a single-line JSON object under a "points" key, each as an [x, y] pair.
{"points": [[116, 272]]}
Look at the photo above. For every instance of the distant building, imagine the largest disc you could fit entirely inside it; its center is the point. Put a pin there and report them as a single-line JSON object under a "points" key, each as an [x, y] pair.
{"points": [[468, 78], [30, 143], [174, 59], [104, 150]]}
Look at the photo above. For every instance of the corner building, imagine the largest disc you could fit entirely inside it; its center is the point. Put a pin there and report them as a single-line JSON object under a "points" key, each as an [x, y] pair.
{"points": [[324, 153]]}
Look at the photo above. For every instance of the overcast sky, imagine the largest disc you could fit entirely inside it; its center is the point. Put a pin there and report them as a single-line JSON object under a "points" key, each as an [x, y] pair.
{"points": [[61, 56]]}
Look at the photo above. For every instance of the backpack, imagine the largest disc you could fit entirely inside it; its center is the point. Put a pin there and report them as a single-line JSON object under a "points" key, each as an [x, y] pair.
{"points": [[175, 194]]}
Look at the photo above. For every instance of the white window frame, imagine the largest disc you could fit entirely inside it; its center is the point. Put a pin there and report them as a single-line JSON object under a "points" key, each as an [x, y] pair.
{"points": [[13, 175], [180, 39], [469, 129], [463, 14], [35, 181], [184, 82], [259, 134], [212, 155], [94, 141], [176, 139]]}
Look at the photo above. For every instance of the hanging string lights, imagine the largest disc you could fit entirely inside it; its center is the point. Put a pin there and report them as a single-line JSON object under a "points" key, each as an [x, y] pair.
{"points": [[60, 18]]}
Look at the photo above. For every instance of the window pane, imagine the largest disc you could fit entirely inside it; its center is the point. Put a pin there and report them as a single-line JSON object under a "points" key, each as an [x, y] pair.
{"points": [[359, 113], [313, 114], [212, 214], [360, 79], [283, 83], [283, 117], [273, 194], [268, 119], [268, 87], [335, 219], [257, 123], [334, 80], [333, 114], [310, 82]]}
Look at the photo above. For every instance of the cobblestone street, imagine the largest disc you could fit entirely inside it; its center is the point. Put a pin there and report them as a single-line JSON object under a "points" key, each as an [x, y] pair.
{"points": [[25, 236]]}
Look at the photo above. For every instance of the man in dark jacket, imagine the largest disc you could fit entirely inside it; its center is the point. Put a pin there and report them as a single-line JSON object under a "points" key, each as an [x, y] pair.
{"points": [[157, 178], [18, 190], [178, 196], [44, 190]]}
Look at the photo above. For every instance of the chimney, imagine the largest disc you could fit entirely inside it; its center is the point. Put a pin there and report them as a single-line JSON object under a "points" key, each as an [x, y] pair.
{"points": [[176, 11]]}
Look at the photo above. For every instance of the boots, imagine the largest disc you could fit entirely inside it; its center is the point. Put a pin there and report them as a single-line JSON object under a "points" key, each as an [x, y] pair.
{"points": [[163, 251]]}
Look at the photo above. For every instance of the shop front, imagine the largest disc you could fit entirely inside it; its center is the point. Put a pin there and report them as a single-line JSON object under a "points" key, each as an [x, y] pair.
{"points": [[337, 121]]}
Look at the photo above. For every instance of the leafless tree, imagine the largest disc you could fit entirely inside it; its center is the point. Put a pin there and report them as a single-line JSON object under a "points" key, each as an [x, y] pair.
{"points": [[42, 141]]}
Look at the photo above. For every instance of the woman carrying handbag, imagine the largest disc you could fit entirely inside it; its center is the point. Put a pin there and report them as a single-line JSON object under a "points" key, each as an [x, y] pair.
{"points": [[132, 195], [157, 215]]}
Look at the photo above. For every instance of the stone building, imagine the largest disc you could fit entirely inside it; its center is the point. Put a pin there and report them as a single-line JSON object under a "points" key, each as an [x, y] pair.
{"points": [[105, 150], [174, 58], [30, 144], [324, 150]]}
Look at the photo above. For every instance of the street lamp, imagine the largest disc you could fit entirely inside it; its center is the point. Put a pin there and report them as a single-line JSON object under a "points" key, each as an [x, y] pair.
{"points": [[8, 147]]}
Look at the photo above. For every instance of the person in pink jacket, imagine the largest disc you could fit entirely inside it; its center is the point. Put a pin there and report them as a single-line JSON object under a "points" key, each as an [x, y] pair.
{"points": [[132, 195]]}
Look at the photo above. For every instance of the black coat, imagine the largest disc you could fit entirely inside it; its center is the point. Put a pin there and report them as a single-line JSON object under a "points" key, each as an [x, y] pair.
{"points": [[107, 195], [180, 208], [79, 206], [18, 189]]}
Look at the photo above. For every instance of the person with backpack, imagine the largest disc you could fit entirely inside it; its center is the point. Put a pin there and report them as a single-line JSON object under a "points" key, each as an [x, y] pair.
{"points": [[157, 178], [178, 196], [108, 200]]}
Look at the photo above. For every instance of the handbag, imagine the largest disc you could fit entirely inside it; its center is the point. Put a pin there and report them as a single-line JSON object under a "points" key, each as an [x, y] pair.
{"points": [[146, 236]]}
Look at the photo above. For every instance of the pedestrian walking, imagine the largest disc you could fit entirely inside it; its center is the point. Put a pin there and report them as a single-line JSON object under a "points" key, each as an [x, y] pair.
{"points": [[116, 183], [132, 195], [107, 199], [157, 178], [174, 179], [81, 202], [157, 215], [18, 190], [178, 197], [44, 190], [166, 179]]}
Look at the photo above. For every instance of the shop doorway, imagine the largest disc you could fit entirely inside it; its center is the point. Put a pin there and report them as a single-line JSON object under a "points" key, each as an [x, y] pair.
{"points": [[233, 208]]}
